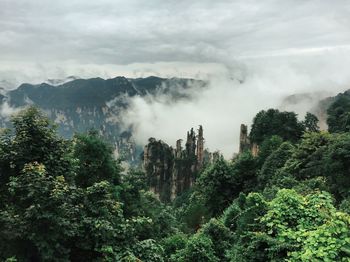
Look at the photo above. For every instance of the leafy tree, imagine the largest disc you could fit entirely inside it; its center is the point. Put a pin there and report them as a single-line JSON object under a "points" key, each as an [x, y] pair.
{"points": [[345, 205], [268, 173], [148, 250], [220, 236], [217, 185], [41, 217], [33, 138], [104, 232], [336, 163], [339, 114], [95, 161], [306, 228], [173, 244], [311, 123], [307, 158], [267, 147], [198, 248], [273, 122], [243, 218], [244, 169]]}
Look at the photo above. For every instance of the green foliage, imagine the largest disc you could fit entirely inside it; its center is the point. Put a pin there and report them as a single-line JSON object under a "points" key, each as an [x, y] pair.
{"points": [[302, 223], [337, 166], [192, 214], [291, 227], [339, 114], [51, 213], [173, 244], [273, 122], [40, 217], [345, 205], [217, 186], [310, 123], [132, 192], [307, 158], [220, 236], [148, 250], [329, 242], [268, 146], [268, 173], [67, 200], [32, 139], [198, 248], [95, 161]]}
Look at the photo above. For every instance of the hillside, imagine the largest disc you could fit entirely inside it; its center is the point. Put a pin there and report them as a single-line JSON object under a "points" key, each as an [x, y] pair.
{"points": [[82, 104]]}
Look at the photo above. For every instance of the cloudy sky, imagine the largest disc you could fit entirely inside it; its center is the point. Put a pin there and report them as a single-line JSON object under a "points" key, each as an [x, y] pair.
{"points": [[276, 47], [108, 37]]}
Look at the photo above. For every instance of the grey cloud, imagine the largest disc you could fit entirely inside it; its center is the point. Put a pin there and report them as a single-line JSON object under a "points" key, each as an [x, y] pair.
{"points": [[123, 32]]}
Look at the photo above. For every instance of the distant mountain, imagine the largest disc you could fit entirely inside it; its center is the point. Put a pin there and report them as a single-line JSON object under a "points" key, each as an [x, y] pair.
{"points": [[83, 104], [56, 82]]}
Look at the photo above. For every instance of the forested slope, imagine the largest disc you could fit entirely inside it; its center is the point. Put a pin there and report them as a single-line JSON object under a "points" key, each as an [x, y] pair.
{"points": [[69, 200]]}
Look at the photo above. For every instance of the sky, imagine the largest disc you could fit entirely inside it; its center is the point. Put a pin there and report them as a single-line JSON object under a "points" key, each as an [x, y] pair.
{"points": [[275, 48]]}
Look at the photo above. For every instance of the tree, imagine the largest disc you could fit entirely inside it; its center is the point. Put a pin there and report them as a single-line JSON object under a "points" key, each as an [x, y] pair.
{"points": [[336, 161], [306, 228], [273, 163], [41, 217], [267, 147], [220, 236], [198, 248], [273, 122], [338, 112], [217, 186], [33, 138], [95, 161], [307, 158], [311, 123]]}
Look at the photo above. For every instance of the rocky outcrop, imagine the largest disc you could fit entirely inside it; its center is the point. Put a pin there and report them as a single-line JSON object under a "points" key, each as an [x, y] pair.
{"points": [[200, 148], [173, 171], [244, 142]]}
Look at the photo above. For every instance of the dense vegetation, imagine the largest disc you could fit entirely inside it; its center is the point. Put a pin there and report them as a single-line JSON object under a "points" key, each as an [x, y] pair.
{"points": [[69, 200]]}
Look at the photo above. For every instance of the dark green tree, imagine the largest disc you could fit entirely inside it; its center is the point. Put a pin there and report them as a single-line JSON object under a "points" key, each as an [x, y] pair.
{"points": [[217, 186], [273, 122], [33, 138], [276, 160], [336, 163], [220, 236], [311, 123], [198, 248], [41, 217], [339, 114], [95, 161]]}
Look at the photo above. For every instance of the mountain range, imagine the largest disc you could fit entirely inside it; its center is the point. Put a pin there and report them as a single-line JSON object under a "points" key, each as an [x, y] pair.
{"points": [[78, 105]]}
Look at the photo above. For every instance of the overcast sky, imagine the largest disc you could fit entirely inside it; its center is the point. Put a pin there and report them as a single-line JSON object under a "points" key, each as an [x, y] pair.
{"points": [[46, 38]]}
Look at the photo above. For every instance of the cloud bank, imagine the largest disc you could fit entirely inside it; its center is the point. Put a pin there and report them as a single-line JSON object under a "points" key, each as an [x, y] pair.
{"points": [[54, 39], [227, 102]]}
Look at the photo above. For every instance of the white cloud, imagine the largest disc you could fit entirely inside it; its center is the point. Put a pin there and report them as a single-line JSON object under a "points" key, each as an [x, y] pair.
{"points": [[226, 104]]}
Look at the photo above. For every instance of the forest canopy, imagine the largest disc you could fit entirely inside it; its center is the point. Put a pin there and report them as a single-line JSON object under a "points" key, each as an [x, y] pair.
{"points": [[70, 200]]}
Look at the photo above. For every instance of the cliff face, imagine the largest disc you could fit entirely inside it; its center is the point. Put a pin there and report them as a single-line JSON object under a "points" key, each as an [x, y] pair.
{"points": [[172, 171], [244, 142]]}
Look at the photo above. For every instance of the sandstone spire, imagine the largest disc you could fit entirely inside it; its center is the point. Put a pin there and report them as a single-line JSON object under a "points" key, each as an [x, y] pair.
{"points": [[200, 148]]}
